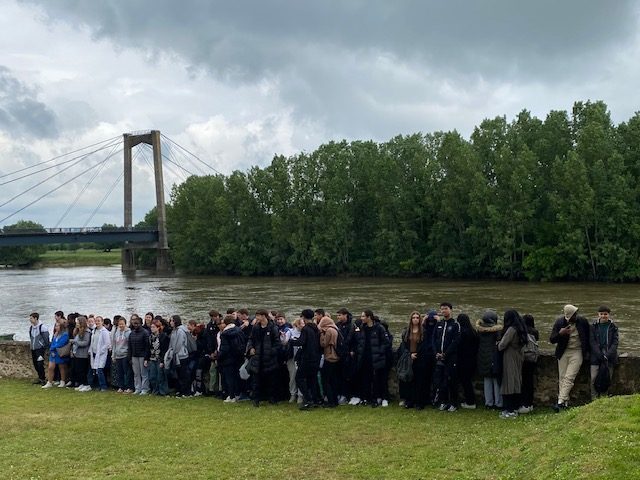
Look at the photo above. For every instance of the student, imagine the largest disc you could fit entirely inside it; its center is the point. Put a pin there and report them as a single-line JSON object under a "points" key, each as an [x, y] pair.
{"points": [[528, 369], [308, 360], [414, 340], [467, 360], [346, 367], [294, 334], [604, 345], [446, 340], [570, 334], [282, 374], [59, 341], [98, 350], [211, 341], [262, 350], [39, 342], [177, 357], [488, 335], [430, 323], [203, 361], [372, 343], [514, 337], [329, 342], [139, 352], [120, 354], [158, 346], [80, 352], [229, 358], [148, 319], [318, 314]]}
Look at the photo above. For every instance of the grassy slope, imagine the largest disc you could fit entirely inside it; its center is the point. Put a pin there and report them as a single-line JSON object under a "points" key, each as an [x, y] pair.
{"points": [[79, 258], [57, 434]]}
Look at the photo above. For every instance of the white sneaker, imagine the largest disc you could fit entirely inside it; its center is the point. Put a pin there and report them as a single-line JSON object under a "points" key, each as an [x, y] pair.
{"points": [[227, 400], [62, 384], [524, 410], [354, 401], [56, 383], [77, 389], [144, 392], [85, 388], [468, 406], [47, 385], [401, 404], [233, 400], [385, 403], [452, 408], [342, 400]]}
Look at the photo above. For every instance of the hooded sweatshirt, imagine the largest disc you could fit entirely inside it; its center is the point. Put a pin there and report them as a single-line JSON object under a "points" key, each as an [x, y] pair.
{"points": [[328, 339], [121, 343], [38, 336]]}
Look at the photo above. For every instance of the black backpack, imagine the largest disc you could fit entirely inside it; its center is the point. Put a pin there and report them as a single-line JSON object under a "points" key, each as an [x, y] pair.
{"points": [[341, 348]]}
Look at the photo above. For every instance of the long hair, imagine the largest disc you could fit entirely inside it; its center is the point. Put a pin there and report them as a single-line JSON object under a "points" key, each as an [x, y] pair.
{"points": [[410, 328], [81, 326], [513, 319], [465, 324]]}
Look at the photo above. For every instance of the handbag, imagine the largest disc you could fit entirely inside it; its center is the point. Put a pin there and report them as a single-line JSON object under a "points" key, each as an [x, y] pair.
{"points": [[244, 373], [64, 351]]}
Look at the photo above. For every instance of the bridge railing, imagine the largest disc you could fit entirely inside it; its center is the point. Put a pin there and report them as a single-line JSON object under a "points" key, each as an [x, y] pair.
{"points": [[73, 230]]}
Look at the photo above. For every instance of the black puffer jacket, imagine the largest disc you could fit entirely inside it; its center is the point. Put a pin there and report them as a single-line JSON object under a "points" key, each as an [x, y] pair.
{"points": [[266, 342], [468, 351], [308, 357], [139, 344], [488, 336], [379, 343], [231, 344]]}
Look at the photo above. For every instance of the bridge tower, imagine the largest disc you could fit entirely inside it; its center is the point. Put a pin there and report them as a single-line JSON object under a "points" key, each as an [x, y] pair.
{"points": [[128, 252]]}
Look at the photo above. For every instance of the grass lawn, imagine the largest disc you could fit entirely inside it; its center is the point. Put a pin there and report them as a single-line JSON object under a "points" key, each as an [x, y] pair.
{"points": [[79, 258], [66, 434]]}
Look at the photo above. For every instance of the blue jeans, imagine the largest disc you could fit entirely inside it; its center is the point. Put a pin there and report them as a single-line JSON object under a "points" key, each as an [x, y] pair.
{"points": [[102, 381], [157, 378]]}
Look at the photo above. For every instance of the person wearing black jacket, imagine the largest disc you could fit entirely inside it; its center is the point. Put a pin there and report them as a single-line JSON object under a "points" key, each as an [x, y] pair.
{"points": [[372, 342], [446, 339], [570, 334], [262, 350], [308, 360], [467, 360], [230, 358], [603, 344], [139, 354], [346, 371], [528, 369], [158, 346]]}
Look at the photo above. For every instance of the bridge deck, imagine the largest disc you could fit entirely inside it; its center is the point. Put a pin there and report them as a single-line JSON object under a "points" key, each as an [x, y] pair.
{"points": [[78, 236]]}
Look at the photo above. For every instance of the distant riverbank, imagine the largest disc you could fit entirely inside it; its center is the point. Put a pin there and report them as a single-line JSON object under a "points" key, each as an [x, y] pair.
{"points": [[79, 258]]}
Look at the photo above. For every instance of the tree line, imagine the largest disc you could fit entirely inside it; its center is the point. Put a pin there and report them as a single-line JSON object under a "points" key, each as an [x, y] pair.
{"points": [[552, 199]]}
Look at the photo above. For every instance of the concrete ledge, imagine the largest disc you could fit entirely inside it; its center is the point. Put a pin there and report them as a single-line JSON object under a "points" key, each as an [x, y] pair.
{"points": [[15, 362]]}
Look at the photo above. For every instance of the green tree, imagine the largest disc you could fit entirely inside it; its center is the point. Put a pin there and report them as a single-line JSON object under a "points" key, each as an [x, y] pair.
{"points": [[22, 256]]}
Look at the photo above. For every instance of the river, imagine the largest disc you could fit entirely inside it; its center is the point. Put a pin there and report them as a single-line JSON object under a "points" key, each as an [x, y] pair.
{"points": [[106, 291]]}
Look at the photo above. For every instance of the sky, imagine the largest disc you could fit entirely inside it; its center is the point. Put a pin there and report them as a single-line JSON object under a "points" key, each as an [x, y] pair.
{"points": [[238, 82]]}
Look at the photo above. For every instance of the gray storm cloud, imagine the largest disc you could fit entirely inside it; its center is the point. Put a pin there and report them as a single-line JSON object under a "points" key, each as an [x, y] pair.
{"points": [[21, 114]]}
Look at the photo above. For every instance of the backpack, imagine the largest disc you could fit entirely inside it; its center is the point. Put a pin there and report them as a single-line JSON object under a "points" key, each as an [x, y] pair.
{"points": [[602, 382], [531, 350], [341, 348], [192, 345], [404, 369]]}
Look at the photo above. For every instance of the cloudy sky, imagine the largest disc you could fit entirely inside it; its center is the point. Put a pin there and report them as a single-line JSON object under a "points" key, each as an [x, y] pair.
{"points": [[237, 82]]}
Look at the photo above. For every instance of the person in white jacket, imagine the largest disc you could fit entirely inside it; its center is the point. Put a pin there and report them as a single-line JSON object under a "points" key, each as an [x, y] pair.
{"points": [[98, 351]]}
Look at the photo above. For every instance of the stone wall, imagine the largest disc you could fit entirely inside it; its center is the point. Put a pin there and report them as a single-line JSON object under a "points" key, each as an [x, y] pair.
{"points": [[15, 362]]}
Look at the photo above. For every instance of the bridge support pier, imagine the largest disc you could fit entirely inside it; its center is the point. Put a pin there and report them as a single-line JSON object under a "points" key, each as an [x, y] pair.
{"points": [[163, 263], [128, 260]]}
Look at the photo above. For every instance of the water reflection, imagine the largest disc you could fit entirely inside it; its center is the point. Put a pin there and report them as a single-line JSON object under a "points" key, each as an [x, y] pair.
{"points": [[106, 291]]}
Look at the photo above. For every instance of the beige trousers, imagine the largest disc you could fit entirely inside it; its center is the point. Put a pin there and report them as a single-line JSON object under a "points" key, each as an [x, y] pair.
{"points": [[568, 368]]}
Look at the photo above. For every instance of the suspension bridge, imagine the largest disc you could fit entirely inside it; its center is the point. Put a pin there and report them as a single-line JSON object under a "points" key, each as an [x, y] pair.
{"points": [[84, 172]]}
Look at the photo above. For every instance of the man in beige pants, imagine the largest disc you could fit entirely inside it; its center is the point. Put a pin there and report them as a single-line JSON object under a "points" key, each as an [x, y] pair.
{"points": [[570, 333]]}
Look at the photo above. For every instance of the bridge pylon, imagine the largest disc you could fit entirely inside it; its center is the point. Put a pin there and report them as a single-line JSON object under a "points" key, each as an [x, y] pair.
{"points": [[163, 263]]}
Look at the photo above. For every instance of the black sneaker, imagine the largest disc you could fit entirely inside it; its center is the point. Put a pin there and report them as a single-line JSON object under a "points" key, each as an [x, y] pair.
{"points": [[305, 406]]}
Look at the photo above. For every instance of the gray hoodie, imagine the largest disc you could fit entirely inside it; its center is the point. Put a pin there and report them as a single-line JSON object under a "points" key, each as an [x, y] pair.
{"points": [[81, 344], [120, 345]]}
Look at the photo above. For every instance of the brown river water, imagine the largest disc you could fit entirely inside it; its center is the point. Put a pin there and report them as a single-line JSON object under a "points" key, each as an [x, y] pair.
{"points": [[106, 291]]}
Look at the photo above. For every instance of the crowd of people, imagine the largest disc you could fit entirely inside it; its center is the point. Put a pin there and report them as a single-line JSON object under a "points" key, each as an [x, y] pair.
{"points": [[318, 361]]}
